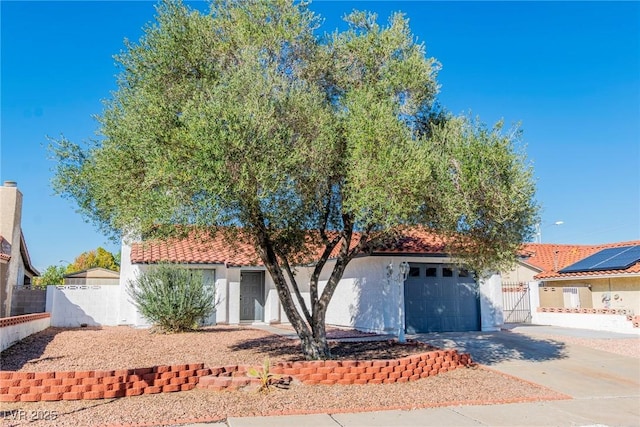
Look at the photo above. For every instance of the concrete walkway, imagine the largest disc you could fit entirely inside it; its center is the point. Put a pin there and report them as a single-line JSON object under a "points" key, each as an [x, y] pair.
{"points": [[605, 387]]}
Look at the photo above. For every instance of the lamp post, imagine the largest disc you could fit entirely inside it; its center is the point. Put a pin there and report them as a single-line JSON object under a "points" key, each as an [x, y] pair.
{"points": [[400, 278], [539, 229]]}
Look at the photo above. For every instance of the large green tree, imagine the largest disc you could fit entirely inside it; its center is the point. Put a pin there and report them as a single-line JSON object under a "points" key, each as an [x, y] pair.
{"points": [[99, 257], [317, 146]]}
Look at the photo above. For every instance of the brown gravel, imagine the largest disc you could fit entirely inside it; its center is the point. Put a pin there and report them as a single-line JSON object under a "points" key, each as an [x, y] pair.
{"points": [[123, 347], [62, 349]]}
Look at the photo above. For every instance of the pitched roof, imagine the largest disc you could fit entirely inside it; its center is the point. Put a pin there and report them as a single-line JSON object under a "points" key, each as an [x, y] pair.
{"points": [[26, 259], [94, 273], [5, 249], [195, 249], [218, 250], [416, 241], [551, 258]]}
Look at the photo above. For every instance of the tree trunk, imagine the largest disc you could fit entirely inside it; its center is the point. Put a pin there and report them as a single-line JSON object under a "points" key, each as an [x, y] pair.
{"points": [[312, 337]]}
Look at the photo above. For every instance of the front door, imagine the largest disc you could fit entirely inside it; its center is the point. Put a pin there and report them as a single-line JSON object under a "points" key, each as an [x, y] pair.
{"points": [[252, 296]]}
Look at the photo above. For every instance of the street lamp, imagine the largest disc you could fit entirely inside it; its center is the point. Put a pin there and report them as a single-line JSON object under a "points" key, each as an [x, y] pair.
{"points": [[539, 229]]}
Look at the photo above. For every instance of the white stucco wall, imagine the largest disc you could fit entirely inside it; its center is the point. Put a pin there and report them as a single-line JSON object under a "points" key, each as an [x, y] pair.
{"points": [[366, 299], [11, 334], [597, 322], [72, 306], [222, 296], [127, 312], [491, 306]]}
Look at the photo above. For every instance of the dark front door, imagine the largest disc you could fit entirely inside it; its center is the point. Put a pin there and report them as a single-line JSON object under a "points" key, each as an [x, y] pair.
{"points": [[252, 296], [440, 298]]}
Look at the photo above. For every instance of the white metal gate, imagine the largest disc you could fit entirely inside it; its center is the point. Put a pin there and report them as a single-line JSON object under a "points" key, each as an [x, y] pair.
{"points": [[515, 302]]}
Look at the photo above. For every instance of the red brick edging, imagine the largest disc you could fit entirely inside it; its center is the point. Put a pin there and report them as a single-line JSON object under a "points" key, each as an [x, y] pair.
{"points": [[48, 386], [405, 369], [16, 320], [51, 386]]}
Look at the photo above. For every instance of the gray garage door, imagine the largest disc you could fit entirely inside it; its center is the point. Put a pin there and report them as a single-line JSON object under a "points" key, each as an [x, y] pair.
{"points": [[440, 298]]}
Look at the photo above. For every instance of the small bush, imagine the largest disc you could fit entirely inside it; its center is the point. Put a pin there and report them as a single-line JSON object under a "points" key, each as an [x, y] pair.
{"points": [[173, 298]]}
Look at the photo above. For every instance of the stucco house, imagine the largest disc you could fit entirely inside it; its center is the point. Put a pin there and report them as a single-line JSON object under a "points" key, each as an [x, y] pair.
{"points": [[16, 269], [372, 295], [597, 276], [579, 286]]}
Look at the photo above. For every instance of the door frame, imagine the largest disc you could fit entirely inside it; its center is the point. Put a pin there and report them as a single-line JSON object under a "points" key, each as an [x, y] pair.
{"points": [[262, 295]]}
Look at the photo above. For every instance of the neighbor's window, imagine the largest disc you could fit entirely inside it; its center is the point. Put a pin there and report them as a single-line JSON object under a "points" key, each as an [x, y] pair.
{"points": [[447, 272], [414, 272], [432, 272]]}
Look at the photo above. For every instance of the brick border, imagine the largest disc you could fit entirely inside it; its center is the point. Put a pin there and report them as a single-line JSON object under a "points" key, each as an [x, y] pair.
{"points": [[16, 320], [53, 386]]}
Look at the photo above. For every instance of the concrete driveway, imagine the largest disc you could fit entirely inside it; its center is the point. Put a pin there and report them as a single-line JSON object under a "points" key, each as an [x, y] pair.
{"points": [[605, 386]]}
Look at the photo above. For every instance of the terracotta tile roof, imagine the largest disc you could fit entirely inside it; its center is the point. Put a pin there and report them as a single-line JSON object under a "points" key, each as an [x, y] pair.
{"points": [[551, 258], [217, 250], [416, 241], [196, 250]]}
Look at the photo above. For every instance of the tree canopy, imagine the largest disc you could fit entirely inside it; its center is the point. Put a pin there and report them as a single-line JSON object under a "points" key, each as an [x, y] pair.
{"points": [[53, 275], [245, 116], [99, 257]]}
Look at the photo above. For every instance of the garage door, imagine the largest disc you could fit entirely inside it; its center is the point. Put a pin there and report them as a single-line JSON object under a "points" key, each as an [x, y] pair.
{"points": [[440, 298]]}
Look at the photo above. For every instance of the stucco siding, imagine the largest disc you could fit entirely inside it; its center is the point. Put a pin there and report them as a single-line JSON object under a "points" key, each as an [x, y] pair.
{"points": [[614, 292], [367, 299], [519, 274]]}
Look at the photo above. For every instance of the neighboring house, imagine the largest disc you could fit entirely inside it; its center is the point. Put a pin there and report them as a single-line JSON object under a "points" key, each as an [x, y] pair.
{"points": [[93, 277], [16, 269], [580, 286], [609, 274], [436, 296]]}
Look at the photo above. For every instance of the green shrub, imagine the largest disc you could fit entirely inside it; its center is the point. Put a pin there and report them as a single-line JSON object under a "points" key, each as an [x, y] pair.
{"points": [[173, 298]]}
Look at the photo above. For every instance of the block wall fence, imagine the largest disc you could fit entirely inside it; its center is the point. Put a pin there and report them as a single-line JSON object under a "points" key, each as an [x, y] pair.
{"points": [[598, 319], [106, 384], [16, 328]]}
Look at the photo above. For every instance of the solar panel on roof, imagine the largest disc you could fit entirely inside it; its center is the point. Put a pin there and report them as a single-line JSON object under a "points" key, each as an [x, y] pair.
{"points": [[607, 259]]}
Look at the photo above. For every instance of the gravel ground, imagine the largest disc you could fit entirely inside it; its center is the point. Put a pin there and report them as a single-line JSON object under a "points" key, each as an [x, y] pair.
{"points": [[61, 349], [123, 347], [462, 386]]}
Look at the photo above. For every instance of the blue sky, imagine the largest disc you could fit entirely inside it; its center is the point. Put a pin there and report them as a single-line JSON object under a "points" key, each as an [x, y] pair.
{"points": [[568, 72]]}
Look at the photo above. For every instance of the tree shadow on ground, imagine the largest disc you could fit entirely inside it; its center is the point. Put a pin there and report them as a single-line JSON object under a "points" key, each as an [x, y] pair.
{"points": [[490, 348], [29, 350], [287, 349], [275, 347]]}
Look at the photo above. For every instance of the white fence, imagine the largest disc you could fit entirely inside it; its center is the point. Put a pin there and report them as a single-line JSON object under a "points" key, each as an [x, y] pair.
{"points": [[597, 322], [78, 305], [16, 328]]}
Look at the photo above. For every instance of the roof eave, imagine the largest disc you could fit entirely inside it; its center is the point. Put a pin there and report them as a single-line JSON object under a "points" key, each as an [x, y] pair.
{"points": [[589, 277]]}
